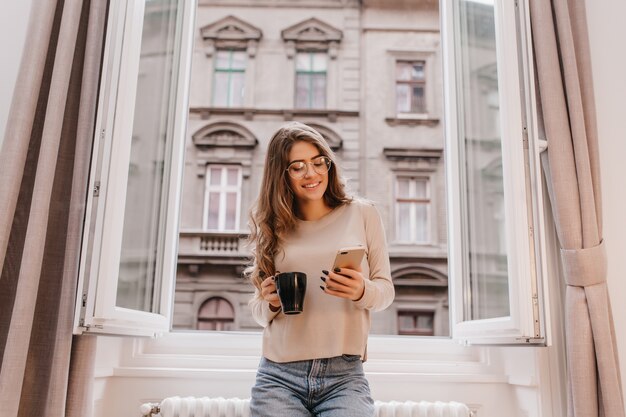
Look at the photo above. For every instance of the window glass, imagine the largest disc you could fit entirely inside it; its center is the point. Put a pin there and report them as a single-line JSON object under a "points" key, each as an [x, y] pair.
{"points": [[213, 210], [310, 80], [410, 87], [229, 78], [482, 165], [220, 89], [216, 314], [150, 156], [223, 190]]}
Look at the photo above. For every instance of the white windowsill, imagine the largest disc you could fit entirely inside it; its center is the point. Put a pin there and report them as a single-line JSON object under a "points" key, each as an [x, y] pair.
{"points": [[201, 354]]}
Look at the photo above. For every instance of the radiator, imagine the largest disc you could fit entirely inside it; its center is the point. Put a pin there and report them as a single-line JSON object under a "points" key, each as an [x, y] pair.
{"points": [[236, 407]]}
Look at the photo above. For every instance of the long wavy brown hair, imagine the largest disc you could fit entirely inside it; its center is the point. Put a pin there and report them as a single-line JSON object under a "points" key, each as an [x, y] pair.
{"points": [[273, 215]]}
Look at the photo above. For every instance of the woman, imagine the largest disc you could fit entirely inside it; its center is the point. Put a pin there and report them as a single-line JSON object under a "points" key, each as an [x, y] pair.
{"points": [[312, 362]]}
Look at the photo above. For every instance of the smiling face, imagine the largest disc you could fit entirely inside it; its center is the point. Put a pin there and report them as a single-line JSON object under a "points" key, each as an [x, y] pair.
{"points": [[312, 186]]}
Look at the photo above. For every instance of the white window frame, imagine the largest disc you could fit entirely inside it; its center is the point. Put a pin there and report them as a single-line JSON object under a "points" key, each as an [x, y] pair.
{"points": [[522, 178], [222, 189], [526, 256], [413, 226], [96, 310]]}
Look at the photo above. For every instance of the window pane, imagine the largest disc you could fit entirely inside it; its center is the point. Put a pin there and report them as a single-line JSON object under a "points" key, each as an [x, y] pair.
{"points": [[239, 60], [403, 187], [417, 71], [403, 98], [404, 222], [236, 92], [222, 59], [319, 62], [403, 71], [482, 168], [421, 222], [302, 91], [231, 211], [421, 188], [215, 175], [303, 62], [232, 176], [220, 89], [417, 99], [151, 148], [213, 211], [424, 322], [319, 91]]}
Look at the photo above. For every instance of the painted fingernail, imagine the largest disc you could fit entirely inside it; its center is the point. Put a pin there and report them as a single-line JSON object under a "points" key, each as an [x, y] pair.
{"points": [[322, 288], [325, 272], [323, 279], [337, 269]]}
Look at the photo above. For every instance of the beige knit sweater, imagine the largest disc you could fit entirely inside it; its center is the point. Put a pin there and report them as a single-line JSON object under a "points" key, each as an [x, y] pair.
{"points": [[329, 326]]}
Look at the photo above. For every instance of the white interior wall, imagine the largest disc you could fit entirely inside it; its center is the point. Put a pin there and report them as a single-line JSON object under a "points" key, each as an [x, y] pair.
{"points": [[608, 59], [13, 24]]}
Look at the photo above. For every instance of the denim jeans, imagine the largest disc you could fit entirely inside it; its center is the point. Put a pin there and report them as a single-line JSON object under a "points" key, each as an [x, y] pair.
{"points": [[331, 387]]}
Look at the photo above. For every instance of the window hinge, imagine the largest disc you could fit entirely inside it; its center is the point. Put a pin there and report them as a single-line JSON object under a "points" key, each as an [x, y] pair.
{"points": [[530, 339], [84, 300], [96, 189]]}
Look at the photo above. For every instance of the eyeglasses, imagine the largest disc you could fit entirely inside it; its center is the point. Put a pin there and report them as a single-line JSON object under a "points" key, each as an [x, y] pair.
{"points": [[298, 169]]}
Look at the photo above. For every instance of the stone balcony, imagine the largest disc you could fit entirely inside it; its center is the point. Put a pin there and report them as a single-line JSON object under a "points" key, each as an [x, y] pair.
{"points": [[196, 246]]}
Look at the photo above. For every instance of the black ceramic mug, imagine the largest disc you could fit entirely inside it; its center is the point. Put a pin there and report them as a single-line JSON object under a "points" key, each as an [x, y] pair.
{"points": [[291, 288]]}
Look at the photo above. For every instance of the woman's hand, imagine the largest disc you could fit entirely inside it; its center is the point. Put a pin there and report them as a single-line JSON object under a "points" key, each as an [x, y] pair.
{"points": [[344, 283], [269, 294]]}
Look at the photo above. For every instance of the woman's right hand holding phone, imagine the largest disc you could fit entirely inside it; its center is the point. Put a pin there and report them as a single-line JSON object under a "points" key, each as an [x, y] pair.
{"points": [[269, 294]]}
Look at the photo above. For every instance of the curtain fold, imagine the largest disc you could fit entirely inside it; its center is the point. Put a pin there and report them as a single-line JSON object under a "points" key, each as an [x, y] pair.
{"points": [[572, 168], [45, 162]]}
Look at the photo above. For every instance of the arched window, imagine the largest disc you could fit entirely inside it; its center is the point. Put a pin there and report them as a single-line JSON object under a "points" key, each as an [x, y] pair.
{"points": [[216, 313]]}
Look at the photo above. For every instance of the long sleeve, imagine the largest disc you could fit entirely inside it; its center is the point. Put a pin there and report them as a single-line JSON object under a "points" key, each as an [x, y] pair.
{"points": [[261, 309], [379, 291]]}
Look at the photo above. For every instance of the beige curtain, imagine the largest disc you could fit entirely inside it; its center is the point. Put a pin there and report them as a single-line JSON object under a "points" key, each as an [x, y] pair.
{"points": [[572, 168], [44, 164]]}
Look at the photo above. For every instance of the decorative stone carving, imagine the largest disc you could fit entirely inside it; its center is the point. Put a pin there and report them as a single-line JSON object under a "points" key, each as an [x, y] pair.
{"points": [[413, 159], [312, 35], [224, 142], [419, 275], [333, 139], [231, 33], [225, 134]]}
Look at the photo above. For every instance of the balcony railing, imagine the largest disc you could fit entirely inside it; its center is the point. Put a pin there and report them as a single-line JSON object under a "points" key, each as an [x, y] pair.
{"points": [[198, 244]]}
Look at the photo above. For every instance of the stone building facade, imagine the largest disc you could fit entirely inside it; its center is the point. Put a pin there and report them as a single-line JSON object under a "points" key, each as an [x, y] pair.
{"points": [[367, 75]]}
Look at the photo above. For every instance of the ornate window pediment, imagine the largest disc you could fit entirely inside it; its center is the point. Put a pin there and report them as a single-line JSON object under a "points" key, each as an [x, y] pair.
{"points": [[419, 275], [312, 35], [424, 160], [231, 33], [332, 138], [224, 134]]}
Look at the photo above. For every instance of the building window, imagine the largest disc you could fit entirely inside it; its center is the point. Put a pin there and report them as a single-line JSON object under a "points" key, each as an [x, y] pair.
{"points": [[229, 76], [410, 87], [216, 313], [416, 323], [311, 80], [412, 209], [222, 201]]}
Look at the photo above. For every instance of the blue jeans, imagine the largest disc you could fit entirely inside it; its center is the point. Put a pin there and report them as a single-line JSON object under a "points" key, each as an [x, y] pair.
{"points": [[331, 387]]}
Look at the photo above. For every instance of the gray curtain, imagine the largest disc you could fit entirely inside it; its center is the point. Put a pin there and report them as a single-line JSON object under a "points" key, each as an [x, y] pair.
{"points": [[44, 165], [572, 168]]}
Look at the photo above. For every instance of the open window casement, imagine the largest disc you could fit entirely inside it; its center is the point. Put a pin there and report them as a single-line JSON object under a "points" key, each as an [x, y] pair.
{"points": [[494, 184], [128, 258]]}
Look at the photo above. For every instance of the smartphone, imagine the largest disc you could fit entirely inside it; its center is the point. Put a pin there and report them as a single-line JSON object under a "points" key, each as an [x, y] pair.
{"points": [[350, 257]]}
